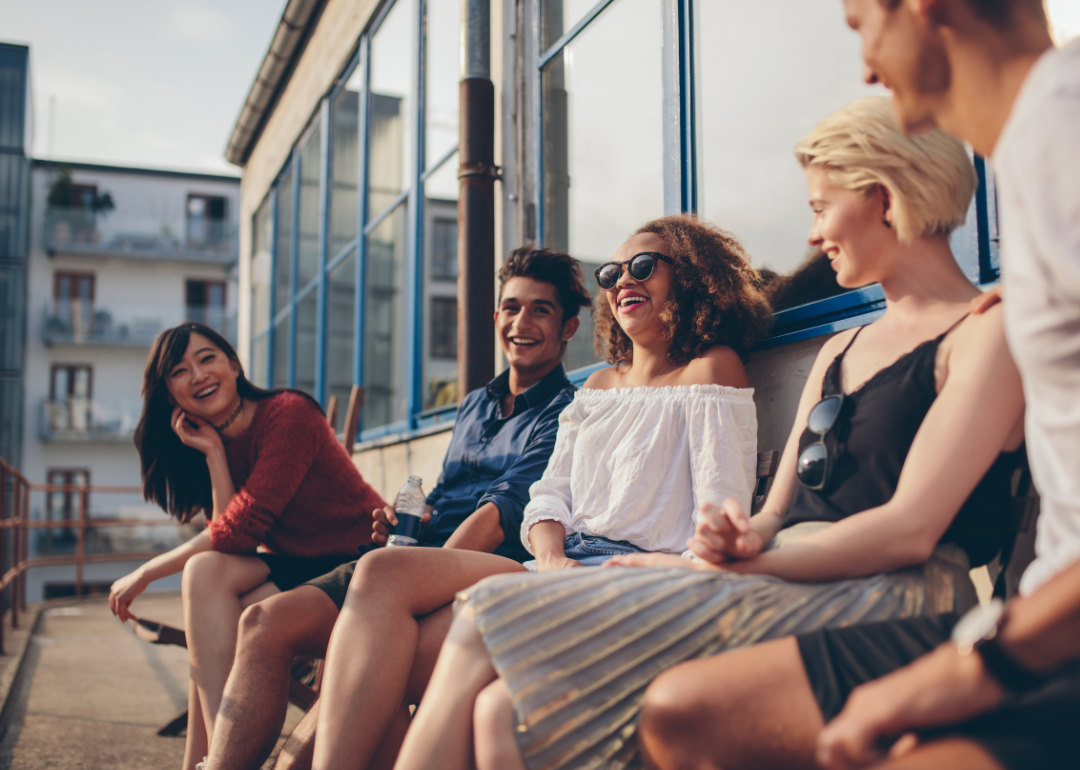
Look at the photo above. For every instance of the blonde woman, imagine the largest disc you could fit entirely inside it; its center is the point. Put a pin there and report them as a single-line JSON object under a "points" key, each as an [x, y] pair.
{"points": [[893, 483]]}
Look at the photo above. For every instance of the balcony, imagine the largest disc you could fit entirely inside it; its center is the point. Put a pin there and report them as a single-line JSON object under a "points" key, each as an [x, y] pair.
{"points": [[78, 419], [77, 322], [134, 236]]}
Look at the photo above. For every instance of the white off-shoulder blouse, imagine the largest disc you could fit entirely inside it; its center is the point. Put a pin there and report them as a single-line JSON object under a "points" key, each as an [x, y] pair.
{"points": [[635, 464]]}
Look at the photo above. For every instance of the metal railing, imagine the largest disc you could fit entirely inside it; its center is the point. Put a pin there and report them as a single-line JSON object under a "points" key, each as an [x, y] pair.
{"points": [[16, 524], [118, 233]]}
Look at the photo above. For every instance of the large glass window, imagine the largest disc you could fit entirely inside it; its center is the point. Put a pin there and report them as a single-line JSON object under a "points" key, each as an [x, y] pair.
{"points": [[385, 322], [755, 106], [341, 328], [603, 142], [306, 342], [283, 247], [344, 165], [262, 237], [308, 244], [281, 353], [439, 309]]}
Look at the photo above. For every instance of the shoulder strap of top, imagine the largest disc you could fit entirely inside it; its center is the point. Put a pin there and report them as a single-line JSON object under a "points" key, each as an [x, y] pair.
{"points": [[830, 385], [852, 341], [945, 333]]}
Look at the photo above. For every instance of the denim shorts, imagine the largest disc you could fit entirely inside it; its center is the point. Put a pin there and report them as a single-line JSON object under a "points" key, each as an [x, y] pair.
{"points": [[591, 550]]}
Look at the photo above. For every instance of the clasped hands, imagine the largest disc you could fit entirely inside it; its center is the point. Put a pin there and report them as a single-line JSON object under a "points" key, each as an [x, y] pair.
{"points": [[722, 535]]}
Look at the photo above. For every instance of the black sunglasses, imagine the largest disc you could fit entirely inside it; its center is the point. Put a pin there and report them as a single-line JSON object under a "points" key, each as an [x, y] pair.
{"points": [[641, 266], [815, 463]]}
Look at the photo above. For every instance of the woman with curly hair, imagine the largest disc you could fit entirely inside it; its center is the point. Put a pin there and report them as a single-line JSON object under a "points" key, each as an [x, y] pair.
{"points": [[640, 448], [894, 482]]}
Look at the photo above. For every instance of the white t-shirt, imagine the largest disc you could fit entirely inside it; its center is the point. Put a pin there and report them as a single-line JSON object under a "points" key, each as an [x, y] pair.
{"points": [[635, 464], [1037, 161]]}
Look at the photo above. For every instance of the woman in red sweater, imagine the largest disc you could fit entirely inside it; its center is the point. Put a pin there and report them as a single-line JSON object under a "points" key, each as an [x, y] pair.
{"points": [[267, 470]]}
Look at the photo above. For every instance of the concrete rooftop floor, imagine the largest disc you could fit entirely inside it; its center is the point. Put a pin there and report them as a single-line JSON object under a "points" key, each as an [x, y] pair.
{"points": [[90, 694]]}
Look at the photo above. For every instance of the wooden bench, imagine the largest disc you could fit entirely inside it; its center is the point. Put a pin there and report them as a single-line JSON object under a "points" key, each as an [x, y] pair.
{"points": [[306, 672]]}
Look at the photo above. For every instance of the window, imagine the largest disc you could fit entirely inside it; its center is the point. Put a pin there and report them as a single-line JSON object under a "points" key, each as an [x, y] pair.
{"points": [[64, 505], [204, 301], [207, 222], [751, 183], [444, 327], [70, 390], [444, 249], [73, 297]]}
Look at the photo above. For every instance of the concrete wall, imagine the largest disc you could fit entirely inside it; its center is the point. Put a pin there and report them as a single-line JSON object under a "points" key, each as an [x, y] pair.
{"points": [[387, 465], [777, 376]]}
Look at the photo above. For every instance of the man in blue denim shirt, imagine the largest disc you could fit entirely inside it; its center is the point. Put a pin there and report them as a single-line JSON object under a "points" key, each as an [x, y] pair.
{"points": [[503, 437], [493, 460]]}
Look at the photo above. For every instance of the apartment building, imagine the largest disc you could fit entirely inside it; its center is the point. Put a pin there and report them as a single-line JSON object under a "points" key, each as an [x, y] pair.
{"points": [[116, 256]]}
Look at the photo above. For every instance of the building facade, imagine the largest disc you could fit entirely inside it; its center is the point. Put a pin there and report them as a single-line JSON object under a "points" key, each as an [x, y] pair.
{"points": [[116, 256], [15, 133], [608, 114]]}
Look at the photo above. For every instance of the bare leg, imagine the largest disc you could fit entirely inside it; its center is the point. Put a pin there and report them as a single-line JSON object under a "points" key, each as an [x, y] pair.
{"points": [[493, 730], [297, 751], [375, 642], [945, 754], [751, 708], [212, 586], [195, 745], [441, 733], [272, 633]]}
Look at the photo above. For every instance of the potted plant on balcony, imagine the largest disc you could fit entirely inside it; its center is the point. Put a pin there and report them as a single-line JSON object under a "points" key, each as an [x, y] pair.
{"points": [[73, 208]]}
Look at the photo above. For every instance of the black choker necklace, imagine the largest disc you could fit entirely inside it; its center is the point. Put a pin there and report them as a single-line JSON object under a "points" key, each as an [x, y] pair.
{"points": [[232, 418]]}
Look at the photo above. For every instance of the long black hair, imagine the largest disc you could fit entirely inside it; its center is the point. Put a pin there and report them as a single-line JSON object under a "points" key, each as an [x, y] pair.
{"points": [[174, 475]]}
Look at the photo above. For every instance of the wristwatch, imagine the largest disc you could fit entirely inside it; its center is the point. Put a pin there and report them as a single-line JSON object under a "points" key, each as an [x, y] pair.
{"points": [[978, 631]]}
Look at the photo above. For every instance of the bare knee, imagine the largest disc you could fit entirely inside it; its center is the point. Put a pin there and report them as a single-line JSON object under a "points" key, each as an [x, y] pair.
{"points": [[494, 709], [383, 576], [205, 573], [668, 712], [282, 626], [678, 716]]}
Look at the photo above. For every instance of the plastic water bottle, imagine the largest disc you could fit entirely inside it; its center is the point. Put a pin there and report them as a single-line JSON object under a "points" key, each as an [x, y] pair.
{"points": [[409, 508]]}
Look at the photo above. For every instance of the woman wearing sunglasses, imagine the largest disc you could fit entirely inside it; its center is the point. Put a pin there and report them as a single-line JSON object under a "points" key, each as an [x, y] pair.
{"points": [[641, 447], [899, 424]]}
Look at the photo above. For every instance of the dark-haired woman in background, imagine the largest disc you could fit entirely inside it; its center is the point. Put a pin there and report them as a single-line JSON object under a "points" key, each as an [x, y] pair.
{"points": [[266, 469]]}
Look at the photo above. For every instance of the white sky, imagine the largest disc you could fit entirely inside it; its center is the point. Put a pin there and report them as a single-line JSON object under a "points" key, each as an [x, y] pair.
{"points": [[141, 83], [161, 83]]}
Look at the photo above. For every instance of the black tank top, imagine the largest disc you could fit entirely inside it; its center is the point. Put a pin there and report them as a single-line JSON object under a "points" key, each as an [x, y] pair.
{"points": [[871, 440]]}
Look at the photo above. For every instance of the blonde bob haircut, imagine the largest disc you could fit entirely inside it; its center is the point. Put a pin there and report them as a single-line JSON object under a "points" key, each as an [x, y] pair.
{"points": [[929, 177]]}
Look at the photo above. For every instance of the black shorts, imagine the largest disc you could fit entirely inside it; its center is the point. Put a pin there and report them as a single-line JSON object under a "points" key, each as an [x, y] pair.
{"points": [[1037, 731], [287, 572], [335, 583]]}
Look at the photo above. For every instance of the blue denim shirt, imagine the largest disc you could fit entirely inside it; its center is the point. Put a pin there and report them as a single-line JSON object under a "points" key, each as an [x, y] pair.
{"points": [[496, 460]]}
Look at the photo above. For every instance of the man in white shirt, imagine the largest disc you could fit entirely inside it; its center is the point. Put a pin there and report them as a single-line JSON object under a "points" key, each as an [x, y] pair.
{"points": [[1004, 691]]}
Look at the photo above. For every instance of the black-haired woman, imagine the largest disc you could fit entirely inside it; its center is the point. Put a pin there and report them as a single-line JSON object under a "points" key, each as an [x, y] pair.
{"points": [[266, 469]]}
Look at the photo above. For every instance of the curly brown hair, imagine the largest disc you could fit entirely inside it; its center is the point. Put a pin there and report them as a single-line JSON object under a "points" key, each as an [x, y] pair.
{"points": [[715, 296]]}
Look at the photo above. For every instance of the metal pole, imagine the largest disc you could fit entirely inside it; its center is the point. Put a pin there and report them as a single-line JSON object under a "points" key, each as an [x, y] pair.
{"points": [[80, 544], [25, 540], [476, 203]]}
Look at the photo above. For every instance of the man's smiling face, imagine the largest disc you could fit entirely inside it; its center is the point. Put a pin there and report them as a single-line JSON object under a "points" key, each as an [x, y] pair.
{"points": [[530, 325], [904, 52]]}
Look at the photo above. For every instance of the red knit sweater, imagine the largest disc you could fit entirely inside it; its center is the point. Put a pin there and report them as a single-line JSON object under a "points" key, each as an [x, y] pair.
{"points": [[297, 491]]}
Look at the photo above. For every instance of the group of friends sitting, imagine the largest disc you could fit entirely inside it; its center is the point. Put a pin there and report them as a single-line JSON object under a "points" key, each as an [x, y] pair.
{"points": [[592, 588]]}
